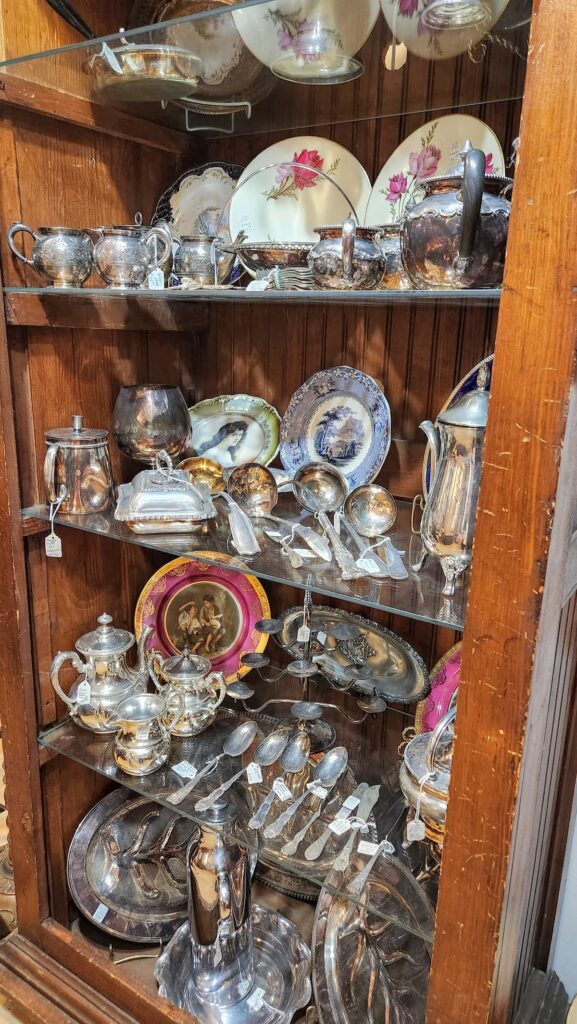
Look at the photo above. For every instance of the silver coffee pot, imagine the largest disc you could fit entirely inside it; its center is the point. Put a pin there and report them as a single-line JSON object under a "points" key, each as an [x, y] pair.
{"points": [[77, 459], [188, 677], [104, 678], [450, 512]]}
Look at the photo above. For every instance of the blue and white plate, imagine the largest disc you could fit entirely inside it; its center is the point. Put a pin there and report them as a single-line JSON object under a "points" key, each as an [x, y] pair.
{"points": [[194, 203], [339, 416]]}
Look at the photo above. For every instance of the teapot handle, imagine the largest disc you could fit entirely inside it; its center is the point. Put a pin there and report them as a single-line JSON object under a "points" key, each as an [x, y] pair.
{"points": [[152, 656], [55, 667], [472, 193], [14, 231], [348, 239]]}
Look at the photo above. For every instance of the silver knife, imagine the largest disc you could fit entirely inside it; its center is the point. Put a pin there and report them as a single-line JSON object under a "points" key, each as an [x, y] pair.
{"points": [[364, 811], [315, 849]]}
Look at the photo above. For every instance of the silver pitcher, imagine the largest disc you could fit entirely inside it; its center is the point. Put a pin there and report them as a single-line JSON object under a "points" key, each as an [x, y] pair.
{"points": [[188, 676], [198, 260], [142, 742], [457, 442], [347, 257], [77, 459], [104, 678], [124, 255], [62, 255]]}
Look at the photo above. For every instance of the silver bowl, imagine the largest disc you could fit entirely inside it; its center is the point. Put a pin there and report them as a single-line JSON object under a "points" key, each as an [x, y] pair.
{"points": [[261, 257]]}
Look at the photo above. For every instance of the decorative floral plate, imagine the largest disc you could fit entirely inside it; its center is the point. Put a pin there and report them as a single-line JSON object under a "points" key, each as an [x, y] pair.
{"points": [[208, 608], [193, 204], [429, 151], [234, 429], [279, 32], [468, 383], [444, 682], [405, 19], [338, 416], [286, 203]]}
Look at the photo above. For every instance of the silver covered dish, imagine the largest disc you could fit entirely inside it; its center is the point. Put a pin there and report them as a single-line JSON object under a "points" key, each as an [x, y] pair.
{"points": [[163, 500]]}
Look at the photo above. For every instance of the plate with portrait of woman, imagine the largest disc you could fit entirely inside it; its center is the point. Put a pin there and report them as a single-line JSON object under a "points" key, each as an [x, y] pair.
{"points": [[235, 429]]}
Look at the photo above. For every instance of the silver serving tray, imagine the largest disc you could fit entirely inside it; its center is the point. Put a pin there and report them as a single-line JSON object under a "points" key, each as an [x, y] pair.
{"points": [[399, 673]]}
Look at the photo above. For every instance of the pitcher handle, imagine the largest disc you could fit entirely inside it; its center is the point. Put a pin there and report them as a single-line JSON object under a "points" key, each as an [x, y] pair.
{"points": [[49, 465], [55, 667], [163, 236], [348, 241], [472, 193], [171, 717], [13, 231]]}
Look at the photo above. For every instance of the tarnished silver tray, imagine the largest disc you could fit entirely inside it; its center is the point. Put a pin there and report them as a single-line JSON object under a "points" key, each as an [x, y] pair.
{"points": [[399, 674], [367, 968]]}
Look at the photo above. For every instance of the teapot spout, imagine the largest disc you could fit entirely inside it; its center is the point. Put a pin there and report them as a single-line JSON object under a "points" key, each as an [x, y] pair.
{"points": [[434, 440]]}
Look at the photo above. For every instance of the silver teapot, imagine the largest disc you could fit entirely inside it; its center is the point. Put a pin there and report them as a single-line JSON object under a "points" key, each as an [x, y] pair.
{"points": [[425, 773], [457, 235], [198, 260], [62, 255], [189, 677], [77, 464], [124, 255], [347, 257], [104, 678], [143, 722], [450, 512]]}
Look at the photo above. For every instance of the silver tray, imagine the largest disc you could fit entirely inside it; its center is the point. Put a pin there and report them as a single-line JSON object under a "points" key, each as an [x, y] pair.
{"points": [[282, 964], [399, 673], [128, 857], [366, 968]]}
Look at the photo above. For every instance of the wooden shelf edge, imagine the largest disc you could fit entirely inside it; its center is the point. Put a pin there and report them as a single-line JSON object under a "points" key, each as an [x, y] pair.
{"points": [[142, 312], [18, 92]]}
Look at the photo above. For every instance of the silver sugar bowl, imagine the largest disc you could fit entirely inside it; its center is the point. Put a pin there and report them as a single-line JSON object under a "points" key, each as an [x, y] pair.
{"points": [[124, 255], [347, 257], [198, 260], [189, 677], [62, 255]]}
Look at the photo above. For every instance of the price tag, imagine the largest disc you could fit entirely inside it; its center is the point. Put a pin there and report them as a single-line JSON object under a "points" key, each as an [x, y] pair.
{"points": [[368, 565], [303, 634], [305, 552], [387, 846], [83, 693], [339, 826], [53, 546], [281, 790], [258, 286], [351, 803], [321, 637], [255, 1000], [254, 773], [156, 279], [100, 913], [217, 954], [185, 770], [367, 848], [317, 790], [244, 987], [415, 831]]}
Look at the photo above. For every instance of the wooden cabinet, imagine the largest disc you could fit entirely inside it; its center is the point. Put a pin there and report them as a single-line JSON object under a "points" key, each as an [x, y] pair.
{"points": [[68, 160]]}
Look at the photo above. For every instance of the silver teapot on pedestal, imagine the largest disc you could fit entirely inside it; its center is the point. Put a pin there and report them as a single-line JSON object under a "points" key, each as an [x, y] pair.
{"points": [[104, 678], [188, 677], [457, 443]]}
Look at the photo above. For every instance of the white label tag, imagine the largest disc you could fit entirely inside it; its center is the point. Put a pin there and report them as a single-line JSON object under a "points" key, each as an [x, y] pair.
{"points": [[217, 954], [281, 790], [303, 634], [368, 564], [318, 790], [387, 846], [100, 913], [321, 637], [255, 1000], [367, 848], [53, 546], [254, 773], [351, 803], [244, 987], [257, 286], [83, 693], [156, 279], [185, 770], [305, 552], [415, 831], [339, 826]]}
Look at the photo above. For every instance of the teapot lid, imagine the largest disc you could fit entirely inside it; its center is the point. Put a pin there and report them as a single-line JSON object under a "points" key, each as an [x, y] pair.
{"points": [[472, 410], [106, 640], [185, 667], [457, 172], [76, 435]]}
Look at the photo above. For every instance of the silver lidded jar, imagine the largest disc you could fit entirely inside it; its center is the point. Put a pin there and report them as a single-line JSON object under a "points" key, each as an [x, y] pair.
{"points": [[62, 255], [77, 460]]}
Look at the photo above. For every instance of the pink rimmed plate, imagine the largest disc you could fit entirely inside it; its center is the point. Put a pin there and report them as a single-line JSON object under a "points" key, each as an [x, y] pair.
{"points": [[444, 683]]}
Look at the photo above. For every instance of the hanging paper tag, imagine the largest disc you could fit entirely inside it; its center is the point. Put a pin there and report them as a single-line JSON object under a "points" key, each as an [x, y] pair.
{"points": [[339, 826], [303, 634], [351, 803], [366, 848], [387, 846], [258, 286], [83, 693], [111, 58], [368, 565], [217, 954], [185, 770], [317, 790], [255, 1000], [321, 637], [254, 773], [100, 913], [53, 546], [415, 831], [281, 790], [155, 279]]}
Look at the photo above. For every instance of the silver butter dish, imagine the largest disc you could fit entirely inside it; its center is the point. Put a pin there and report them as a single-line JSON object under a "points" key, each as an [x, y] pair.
{"points": [[163, 500]]}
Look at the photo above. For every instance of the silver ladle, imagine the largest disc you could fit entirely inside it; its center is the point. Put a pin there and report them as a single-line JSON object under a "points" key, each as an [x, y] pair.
{"points": [[235, 744], [267, 752], [320, 488], [326, 774], [371, 511], [293, 759]]}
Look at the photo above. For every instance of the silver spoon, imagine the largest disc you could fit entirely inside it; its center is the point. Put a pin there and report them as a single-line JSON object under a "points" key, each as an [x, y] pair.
{"points": [[372, 511], [325, 774], [320, 488], [267, 752], [235, 744], [294, 757]]}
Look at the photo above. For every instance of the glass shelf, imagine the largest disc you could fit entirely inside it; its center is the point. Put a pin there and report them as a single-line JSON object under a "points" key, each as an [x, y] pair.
{"points": [[228, 85], [418, 597], [292, 873]]}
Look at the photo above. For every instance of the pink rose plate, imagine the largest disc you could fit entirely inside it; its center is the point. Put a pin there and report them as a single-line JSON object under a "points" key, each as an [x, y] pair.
{"points": [[444, 682]]}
